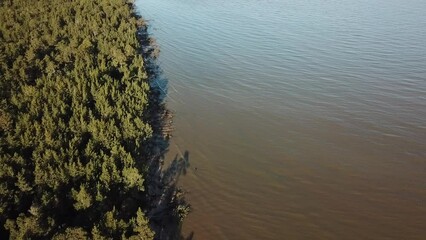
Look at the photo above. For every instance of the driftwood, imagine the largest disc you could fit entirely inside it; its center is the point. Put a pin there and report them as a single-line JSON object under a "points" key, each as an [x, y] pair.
{"points": [[166, 122]]}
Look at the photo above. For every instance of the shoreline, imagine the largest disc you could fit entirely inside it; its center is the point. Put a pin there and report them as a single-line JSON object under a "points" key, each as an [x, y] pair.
{"points": [[168, 205]]}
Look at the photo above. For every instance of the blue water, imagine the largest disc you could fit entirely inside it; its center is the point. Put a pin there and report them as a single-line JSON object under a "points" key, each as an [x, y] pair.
{"points": [[305, 119]]}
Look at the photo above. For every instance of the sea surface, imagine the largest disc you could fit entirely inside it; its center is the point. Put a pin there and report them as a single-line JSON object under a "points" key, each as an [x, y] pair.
{"points": [[300, 119]]}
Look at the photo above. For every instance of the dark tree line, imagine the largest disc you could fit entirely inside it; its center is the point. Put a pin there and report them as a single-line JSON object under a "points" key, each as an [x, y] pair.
{"points": [[74, 125]]}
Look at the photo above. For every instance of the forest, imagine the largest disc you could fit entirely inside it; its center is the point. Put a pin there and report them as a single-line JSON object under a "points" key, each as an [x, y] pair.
{"points": [[77, 122]]}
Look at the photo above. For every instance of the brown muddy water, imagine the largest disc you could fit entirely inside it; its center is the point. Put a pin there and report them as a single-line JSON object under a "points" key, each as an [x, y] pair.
{"points": [[303, 119]]}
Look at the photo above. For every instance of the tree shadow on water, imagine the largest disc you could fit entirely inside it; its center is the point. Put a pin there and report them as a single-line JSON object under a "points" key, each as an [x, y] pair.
{"points": [[189, 237], [167, 206]]}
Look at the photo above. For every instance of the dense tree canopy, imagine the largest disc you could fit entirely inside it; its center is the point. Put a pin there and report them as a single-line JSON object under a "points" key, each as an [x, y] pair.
{"points": [[74, 94]]}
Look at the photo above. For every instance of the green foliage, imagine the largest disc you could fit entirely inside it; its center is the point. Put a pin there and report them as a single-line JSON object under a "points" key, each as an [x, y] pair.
{"points": [[82, 198], [73, 122], [72, 233], [140, 227]]}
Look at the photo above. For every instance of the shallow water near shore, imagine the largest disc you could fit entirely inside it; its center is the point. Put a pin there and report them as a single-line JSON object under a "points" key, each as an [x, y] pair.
{"points": [[302, 119]]}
